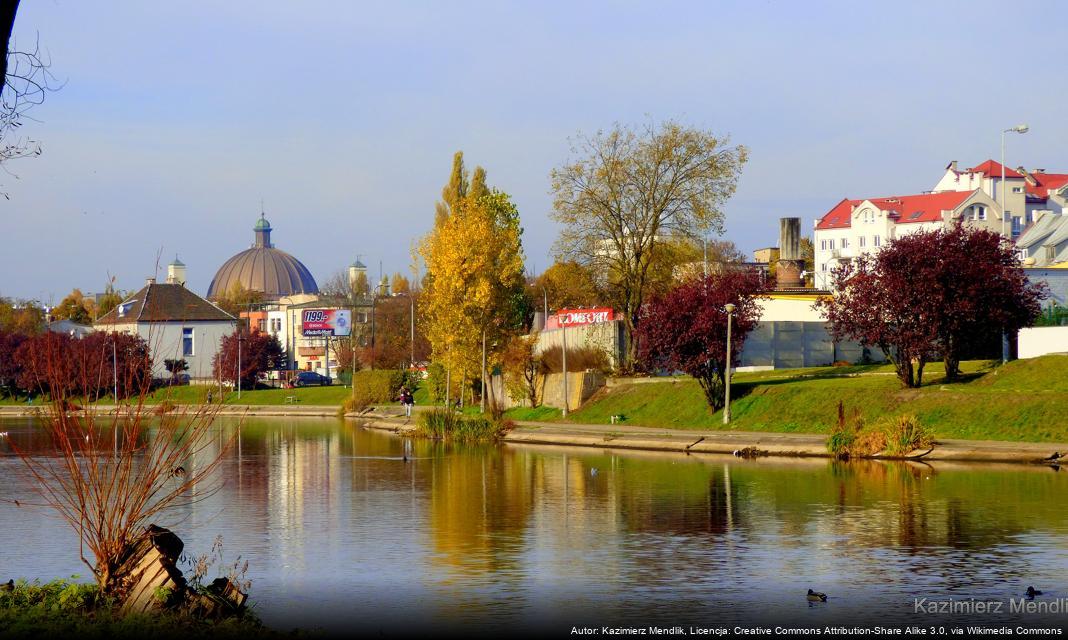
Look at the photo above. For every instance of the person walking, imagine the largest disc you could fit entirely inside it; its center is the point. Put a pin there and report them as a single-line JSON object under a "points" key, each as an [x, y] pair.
{"points": [[408, 400]]}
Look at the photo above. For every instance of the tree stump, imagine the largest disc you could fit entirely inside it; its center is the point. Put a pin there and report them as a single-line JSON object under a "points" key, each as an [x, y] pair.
{"points": [[149, 574]]}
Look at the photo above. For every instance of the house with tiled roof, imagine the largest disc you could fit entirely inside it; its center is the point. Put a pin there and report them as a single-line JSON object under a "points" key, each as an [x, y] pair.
{"points": [[860, 226], [176, 323], [1027, 195]]}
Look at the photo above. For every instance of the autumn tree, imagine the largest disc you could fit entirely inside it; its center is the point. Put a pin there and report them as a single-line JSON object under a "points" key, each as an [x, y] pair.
{"points": [[686, 328], [393, 335], [21, 316], [567, 284], [109, 300], [628, 189], [522, 367], [259, 351], [399, 284], [10, 366], [238, 299], [474, 262], [74, 308], [932, 294]]}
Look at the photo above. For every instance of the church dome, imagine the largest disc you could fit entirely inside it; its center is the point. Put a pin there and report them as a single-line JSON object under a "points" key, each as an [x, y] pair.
{"points": [[263, 268]]}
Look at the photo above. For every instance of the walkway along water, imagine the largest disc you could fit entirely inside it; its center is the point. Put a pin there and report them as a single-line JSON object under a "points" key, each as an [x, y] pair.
{"points": [[684, 441]]}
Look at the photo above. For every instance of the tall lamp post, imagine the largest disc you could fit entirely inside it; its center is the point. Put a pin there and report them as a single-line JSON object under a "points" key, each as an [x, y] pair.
{"points": [[1020, 128], [240, 339], [374, 296], [729, 308]]}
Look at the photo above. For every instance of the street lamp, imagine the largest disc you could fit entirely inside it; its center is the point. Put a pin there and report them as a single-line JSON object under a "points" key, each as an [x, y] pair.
{"points": [[729, 308], [240, 339], [374, 295], [1020, 128]]}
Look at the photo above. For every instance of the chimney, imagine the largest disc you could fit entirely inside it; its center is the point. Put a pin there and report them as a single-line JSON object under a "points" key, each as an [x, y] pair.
{"points": [[790, 264], [150, 281], [953, 166]]}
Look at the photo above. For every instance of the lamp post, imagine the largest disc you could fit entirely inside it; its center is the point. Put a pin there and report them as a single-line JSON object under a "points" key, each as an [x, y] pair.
{"points": [[240, 339], [1020, 128], [729, 308], [374, 296]]}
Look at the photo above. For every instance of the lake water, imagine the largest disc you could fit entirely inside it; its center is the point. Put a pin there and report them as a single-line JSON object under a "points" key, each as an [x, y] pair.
{"points": [[341, 533]]}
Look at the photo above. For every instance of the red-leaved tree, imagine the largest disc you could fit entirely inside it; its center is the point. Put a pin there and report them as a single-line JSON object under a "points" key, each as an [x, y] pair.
{"points": [[686, 328], [260, 352], [9, 364], [932, 294]]}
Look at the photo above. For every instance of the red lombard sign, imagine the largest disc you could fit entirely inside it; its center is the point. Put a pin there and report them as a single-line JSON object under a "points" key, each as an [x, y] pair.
{"points": [[577, 317]]}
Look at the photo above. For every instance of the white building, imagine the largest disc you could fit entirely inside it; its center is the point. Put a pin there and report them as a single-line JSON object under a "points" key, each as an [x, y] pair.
{"points": [[1027, 194], [855, 227], [176, 323]]}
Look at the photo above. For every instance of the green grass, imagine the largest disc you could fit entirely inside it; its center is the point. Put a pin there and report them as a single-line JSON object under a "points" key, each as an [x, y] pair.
{"points": [[1022, 401], [194, 394], [67, 608]]}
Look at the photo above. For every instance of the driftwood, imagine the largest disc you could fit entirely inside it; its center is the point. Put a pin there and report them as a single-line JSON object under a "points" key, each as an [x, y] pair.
{"points": [[152, 581]]}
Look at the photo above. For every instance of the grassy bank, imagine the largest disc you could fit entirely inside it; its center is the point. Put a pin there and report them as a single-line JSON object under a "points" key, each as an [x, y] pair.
{"points": [[1022, 401]]}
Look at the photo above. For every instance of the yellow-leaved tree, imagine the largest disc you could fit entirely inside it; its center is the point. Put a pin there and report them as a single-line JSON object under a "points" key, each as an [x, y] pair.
{"points": [[474, 284]]}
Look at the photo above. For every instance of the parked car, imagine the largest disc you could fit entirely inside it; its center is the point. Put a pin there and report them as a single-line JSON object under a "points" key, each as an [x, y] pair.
{"points": [[311, 379]]}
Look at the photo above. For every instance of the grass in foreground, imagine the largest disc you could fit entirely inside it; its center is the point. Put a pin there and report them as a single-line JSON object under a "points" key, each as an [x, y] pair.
{"points": [[66, 608]]}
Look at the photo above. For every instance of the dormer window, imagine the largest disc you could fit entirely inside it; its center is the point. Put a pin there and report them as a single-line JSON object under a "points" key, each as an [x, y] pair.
{"points": [[1051, 252], [975, 212]]}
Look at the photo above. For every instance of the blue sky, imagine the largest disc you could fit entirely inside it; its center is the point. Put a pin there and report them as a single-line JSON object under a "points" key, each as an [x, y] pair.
{"points": [[176, 119]]}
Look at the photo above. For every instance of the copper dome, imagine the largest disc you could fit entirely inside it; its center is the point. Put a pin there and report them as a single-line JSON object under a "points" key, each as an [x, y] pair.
{"points": [[263, 268]]}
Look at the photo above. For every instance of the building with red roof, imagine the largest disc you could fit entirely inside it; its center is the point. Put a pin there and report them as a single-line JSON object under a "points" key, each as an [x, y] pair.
{"points": [[859, 226]]}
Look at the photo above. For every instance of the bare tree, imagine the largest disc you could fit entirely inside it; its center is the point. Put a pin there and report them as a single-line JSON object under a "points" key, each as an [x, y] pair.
{"points": [[627, 190], [25, 79], [110, 474]]}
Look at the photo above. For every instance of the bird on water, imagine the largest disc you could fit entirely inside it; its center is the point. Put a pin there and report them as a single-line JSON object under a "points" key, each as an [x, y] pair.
{"points": [[1032, 592], [816, 596]]}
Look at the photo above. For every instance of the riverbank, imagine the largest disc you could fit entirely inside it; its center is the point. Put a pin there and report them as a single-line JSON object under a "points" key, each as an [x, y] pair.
{"points": [[740, 443]]}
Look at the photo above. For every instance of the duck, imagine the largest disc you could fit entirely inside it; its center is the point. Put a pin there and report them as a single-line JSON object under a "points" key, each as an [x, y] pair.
{"points": [[816, 596], [1032, 592]]}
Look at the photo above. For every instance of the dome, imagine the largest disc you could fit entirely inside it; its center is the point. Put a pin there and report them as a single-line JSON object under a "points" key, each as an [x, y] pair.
{"points": [[263, 268]]}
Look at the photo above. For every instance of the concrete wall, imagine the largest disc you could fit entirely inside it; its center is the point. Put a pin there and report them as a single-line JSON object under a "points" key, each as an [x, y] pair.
{"points": [[580, 386], [791, 344], [1039, 341]]}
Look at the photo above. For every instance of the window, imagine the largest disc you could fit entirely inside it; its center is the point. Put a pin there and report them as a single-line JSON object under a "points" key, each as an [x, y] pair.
{"points": [[845, 243], [823, 245], [1017, 189], [975, 212], [261, 324], [276, 325], [823, 267], [187, 342], [875, 241], [862, 241], [1017, 225], [1051, 252], [830, 244]]}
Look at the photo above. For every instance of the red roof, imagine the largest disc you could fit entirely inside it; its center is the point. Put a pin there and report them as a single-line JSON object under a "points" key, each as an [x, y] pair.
{"points": [[924, 207], [1046, 181], [993, 169]]}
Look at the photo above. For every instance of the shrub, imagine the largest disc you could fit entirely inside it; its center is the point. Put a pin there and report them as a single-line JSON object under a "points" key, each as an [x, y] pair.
{"points": [[892, 436], [374, 387], [578, 359], [445, 424]]}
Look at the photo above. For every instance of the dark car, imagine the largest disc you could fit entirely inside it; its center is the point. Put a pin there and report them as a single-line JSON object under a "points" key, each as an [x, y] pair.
{"points": [[311, 379]]}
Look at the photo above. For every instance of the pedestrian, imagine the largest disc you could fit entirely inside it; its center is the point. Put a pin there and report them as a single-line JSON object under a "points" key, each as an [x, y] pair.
{"points": [[408, 400]]}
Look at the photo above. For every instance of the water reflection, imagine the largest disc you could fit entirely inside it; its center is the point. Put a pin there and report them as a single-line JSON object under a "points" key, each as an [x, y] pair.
{"points": [[341, 530]]}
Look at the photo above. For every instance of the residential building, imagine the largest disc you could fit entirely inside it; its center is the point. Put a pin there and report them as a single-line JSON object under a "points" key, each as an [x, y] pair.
{"points": [[855, 227], [1027, 194], [175, 322]]}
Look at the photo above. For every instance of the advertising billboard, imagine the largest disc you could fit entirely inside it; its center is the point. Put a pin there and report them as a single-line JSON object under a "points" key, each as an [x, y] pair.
{"points": [[577, 317], [326, 322]]}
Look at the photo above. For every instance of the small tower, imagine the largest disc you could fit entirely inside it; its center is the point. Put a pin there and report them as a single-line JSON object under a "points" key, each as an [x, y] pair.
{"points": [[176, 272], [355, 269], [263, 233]]}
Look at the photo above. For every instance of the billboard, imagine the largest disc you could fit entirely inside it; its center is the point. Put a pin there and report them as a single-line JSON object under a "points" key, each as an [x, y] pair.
{"points": [[577, 317], [326, 322]]}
